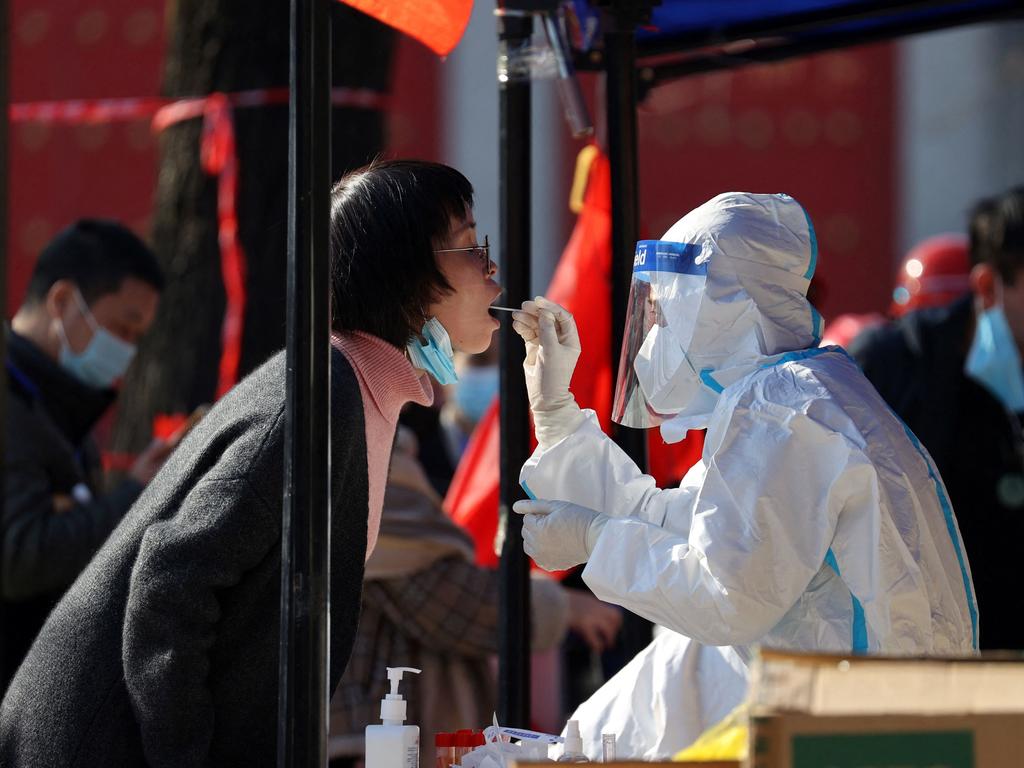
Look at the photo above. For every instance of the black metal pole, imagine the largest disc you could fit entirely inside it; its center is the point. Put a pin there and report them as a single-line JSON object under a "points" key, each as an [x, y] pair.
{"points": [[305, 527], [514, 149], [619, 23], [5, 69], [621, 101]]}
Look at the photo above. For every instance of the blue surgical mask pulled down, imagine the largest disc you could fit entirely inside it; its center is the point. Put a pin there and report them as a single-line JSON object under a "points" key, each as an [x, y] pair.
{"points": [[476, 390], [436, 357], [104, 359], [994, 360]]}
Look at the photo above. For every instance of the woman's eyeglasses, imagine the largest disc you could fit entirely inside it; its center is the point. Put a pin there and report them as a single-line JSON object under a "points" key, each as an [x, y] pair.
{"points": [[482, 252]]}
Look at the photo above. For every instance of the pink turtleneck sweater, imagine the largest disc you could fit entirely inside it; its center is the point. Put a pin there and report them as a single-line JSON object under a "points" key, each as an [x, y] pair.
{"points": [[387, 381]]}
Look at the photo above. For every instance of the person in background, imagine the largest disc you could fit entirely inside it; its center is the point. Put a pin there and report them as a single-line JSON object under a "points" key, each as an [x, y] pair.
{"points": [[934, 273], [468, 399], [91, 298], [442, 430], [953, 374], [426, 605], [164, 652]]}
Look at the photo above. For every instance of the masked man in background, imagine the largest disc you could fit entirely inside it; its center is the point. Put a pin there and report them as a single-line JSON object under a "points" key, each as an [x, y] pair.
{"points": [[814, 520], [92, 295], [953, 374]]}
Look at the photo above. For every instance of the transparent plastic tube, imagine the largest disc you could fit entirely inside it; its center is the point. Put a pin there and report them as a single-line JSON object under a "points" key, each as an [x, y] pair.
{"points": [[568, 85], [608, 747]]}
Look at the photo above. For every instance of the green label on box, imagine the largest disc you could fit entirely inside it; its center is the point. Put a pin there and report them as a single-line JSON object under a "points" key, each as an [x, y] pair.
{"points": [[923, 749]]}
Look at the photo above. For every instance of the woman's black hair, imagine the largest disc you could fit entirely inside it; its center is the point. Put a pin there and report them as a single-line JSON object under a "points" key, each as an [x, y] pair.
{"points": [[386, 220]]}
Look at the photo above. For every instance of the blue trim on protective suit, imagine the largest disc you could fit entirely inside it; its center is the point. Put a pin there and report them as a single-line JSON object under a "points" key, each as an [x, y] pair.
{"points": [[947, 512], [814, 245], [947, 508], [529, 494], [817, 324], [859, 641], [802, 354], [709, 382]]}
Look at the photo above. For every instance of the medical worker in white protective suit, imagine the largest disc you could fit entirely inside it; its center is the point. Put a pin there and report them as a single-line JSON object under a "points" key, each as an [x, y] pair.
{"points": [[814, 520]]}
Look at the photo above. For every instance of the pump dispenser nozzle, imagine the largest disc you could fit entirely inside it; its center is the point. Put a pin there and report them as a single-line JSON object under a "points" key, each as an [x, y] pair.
{"points": [[573, 752], [392, 706]]}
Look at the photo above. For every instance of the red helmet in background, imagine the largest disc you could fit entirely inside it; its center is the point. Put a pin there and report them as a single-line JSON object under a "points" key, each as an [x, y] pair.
{"points": [[935, 272]]}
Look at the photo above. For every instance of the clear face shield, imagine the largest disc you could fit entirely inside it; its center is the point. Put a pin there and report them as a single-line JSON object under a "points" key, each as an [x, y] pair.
{"points": [[656, 379]]}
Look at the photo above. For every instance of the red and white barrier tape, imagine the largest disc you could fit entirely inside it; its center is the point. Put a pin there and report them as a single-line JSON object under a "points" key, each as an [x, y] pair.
{"points": [[93, 111]]}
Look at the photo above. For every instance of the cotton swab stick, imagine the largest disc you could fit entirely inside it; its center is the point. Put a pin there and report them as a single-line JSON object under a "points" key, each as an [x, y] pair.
{"points": [[506, 309]]}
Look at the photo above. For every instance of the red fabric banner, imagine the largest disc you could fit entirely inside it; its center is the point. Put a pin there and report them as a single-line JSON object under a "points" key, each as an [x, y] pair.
{"points": [[438, 24]]}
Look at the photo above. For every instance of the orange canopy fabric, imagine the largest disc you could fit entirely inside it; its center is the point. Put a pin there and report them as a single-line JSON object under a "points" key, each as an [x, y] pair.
{"points": [[582, 284], [438, 24]]}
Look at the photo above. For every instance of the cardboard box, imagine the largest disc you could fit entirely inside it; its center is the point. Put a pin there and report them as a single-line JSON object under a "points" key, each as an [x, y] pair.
{"points": [[877, 741], [640, 764], [871, 712]]}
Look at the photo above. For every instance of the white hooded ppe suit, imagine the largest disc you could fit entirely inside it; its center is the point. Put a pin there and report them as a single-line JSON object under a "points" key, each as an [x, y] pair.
{"points": [[814, 521]]}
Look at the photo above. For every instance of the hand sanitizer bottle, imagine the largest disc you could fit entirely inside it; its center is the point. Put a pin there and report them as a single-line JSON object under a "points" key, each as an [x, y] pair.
{"points": [[573, 752], [392, 744]]}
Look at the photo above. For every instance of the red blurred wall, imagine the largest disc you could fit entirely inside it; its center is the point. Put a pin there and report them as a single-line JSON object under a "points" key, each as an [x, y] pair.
{"points": [[79, 49], [88, 49], [820, 128]]}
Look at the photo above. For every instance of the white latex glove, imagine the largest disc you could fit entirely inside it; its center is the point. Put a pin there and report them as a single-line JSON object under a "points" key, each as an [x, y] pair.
{"points": [[559, 534], [552, 349]]}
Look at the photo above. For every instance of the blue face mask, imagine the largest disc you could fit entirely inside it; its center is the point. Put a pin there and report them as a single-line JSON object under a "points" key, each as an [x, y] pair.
{"points": [[994, 360], [476, 390], [436, 356], [104, 359]]}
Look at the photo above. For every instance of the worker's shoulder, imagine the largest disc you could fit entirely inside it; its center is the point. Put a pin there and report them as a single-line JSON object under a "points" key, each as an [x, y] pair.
{"points": [[804, 382], [261, 395], [803, 370], [248, 423]]}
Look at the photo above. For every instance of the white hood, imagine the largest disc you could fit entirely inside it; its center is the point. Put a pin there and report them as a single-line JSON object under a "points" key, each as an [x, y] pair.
{"points": [[760, 252]]}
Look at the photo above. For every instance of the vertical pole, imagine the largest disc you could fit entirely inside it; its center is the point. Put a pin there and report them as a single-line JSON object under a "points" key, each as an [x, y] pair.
{"points": [[305, 527], [5, 69], [620, 83], [621, 101], [514, 149]]}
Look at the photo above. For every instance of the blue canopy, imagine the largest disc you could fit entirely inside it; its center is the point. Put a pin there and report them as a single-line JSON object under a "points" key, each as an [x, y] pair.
{"points": [[689, 36], [708, 19]]}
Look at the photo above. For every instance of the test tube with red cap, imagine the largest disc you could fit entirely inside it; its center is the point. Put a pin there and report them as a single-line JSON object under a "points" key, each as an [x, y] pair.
{"points": [[463, 744], [444, 744]]}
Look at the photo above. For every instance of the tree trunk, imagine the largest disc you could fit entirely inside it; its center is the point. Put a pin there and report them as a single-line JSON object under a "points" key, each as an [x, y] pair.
{"points": [[229, 46]]}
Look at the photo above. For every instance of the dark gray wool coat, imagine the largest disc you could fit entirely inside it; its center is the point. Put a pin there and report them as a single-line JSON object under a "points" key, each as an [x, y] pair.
{"points": [[164, 651]]}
